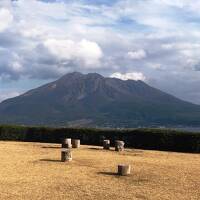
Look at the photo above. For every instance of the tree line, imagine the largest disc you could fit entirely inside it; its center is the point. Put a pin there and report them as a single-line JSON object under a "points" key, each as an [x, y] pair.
{"points": [[143, 138]]}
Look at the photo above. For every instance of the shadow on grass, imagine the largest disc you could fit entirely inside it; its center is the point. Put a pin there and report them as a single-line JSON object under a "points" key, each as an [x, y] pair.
{"points": [[50, 160], [100, 149], [95, 148], [109, 173], [137, 180], [49, 147]]}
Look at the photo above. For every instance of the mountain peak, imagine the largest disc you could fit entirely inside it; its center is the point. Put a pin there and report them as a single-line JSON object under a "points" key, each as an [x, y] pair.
{"points": [[95, 75], [101, 101], [78, 75], [72, 75], [75, 73]]}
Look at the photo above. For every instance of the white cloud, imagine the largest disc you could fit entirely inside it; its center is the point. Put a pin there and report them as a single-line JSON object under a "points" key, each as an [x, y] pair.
{"points": [[181, 45], [182, 4], [63, 49], [17, 67], [136, 55], [5, 19], [87, 52], [129, 76], [7, 95], [156, 66]]}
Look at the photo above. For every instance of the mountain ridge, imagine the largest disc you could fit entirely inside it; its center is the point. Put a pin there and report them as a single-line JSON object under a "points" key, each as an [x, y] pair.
{"points": [[98, 101]]}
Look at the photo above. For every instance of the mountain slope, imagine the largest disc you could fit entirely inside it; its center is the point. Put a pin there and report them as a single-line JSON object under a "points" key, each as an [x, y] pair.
{"points": [[91, 99]]}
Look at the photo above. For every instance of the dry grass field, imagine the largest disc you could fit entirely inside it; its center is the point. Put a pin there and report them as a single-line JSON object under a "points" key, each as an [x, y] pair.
{"points": [[34, 171]]}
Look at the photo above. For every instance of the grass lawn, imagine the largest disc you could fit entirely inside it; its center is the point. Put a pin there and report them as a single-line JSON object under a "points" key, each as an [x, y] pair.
{"points": [[34, 171]]}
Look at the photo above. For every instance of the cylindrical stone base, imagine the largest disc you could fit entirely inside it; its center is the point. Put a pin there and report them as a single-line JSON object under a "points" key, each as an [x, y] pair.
{"points": [[66, 155], [66, 143], [75, 143], [124, 170], [106, 144], [119, 145]]}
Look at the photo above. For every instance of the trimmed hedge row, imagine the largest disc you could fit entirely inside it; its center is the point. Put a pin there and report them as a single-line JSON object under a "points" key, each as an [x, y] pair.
{"points": [[155, 139]]}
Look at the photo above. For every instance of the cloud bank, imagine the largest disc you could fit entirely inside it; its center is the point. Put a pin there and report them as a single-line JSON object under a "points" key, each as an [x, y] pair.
{"points": [[5, 19], [157, 41], [129, 76]]}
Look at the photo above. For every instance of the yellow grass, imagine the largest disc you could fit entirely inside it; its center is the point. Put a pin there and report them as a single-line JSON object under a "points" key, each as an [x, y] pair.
{"points": [[34, 171]]}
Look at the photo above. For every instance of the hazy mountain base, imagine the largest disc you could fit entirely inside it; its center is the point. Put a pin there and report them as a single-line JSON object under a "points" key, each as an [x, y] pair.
{"points": [[114, 119]]}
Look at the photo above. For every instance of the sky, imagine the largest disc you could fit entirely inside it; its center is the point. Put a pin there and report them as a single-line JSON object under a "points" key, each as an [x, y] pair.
{"points": [[157, 41]]}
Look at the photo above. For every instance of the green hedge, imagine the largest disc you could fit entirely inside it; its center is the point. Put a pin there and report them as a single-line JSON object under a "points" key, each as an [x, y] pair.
{"points": [[157, 139]]}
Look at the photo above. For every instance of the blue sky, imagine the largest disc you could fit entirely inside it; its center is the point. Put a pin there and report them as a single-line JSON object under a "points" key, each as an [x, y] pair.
{"points": [[157, 41]]}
